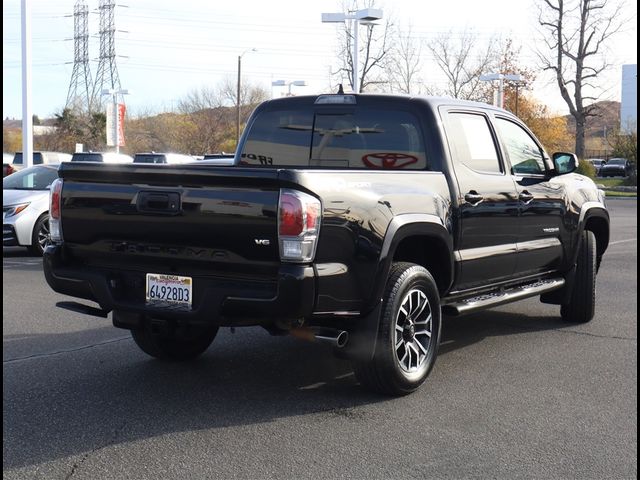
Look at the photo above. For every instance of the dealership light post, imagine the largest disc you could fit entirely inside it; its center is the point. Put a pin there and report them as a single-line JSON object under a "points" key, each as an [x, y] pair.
{"points": [[365, 16], [27, 118], [283, 83], [238, 94], [115, 114], [501, 78]]}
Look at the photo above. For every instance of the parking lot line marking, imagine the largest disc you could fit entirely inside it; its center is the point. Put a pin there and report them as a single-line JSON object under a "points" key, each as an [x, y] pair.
{"points": [[66, 350], [23, 262], [313, 385], [624, 241], [18, 266]]}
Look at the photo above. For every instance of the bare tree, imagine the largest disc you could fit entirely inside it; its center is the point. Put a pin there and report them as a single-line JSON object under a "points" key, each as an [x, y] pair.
{"points": [[403, 65], [200, 99], [250, 93], [207, 122], [462, 61], [373, 48], [575, 32]]}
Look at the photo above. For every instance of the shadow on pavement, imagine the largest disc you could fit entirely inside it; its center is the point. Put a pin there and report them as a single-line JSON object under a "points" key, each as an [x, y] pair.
{"points": [[17, 252], [77, 402]]}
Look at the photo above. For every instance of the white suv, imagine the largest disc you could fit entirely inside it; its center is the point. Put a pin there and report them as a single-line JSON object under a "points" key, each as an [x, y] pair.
{"points": [[102, 157], [153, 157]]}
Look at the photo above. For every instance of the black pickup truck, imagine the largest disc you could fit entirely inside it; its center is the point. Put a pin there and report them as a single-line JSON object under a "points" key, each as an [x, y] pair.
{"points": [[358, 220]]}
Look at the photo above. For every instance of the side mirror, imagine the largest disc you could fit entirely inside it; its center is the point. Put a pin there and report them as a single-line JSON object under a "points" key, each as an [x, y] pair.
{"points": [[565, 162]]}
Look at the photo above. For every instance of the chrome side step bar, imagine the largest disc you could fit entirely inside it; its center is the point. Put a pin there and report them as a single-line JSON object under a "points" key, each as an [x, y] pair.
{"points": [[500, 297]]}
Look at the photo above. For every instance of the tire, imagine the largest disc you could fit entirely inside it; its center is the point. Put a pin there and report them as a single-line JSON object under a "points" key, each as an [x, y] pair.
{"points": [[40, 235], [407, 345], [581, 307], [171, 347]]}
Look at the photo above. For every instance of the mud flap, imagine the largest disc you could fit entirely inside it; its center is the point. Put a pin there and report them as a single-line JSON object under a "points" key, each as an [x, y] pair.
{"points": [[561, 296], [363, 338]]}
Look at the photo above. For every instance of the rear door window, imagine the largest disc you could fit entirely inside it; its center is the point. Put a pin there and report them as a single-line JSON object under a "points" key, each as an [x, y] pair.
{"points": [[474, 143], [364, 138]]}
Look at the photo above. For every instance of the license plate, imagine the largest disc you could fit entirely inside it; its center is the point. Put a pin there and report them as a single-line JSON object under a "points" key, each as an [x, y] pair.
{"points": [[169, 290]]}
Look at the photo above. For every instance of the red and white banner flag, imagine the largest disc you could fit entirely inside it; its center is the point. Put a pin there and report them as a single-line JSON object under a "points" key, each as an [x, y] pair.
{"points": [[121, 111]]}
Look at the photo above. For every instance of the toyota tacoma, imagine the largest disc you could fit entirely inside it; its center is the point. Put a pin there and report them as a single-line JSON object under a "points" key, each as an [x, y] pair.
{"points": [[359, 220]]}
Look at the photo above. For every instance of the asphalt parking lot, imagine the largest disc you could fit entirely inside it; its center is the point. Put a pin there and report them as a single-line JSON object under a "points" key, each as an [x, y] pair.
{"points": [[515, 393]]}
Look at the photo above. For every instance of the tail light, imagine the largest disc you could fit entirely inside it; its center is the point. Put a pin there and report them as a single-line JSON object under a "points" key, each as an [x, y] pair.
{"points": [[298, 225], [55, 203]]}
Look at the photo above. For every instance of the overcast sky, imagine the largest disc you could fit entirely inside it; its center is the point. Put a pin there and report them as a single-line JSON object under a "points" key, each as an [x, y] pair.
{"points": [[169, 48]]}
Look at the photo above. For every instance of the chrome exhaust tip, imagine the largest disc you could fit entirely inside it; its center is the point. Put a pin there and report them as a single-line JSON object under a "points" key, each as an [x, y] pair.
{"points": [[334, 337], [337, 338]]}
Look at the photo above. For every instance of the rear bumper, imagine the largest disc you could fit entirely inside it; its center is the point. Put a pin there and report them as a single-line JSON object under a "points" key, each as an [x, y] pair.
{"points": [[613, 173], [222, 302]]}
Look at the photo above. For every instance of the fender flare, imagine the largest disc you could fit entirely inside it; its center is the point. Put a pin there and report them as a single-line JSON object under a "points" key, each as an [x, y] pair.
{"points": [[404, 226], [590, 210], [363, 339]]}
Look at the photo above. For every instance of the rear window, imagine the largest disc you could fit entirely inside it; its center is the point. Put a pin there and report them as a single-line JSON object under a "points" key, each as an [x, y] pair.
{"points": [[34, 178], [149, 159], [366, 138], [37, 158], [87, 157]]}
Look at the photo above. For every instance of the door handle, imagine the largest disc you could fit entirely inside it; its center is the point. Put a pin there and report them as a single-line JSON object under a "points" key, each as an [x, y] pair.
{"points": [[525, 196], [473, 197]]}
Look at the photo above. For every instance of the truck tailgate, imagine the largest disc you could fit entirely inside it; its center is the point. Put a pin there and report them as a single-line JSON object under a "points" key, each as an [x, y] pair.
{"points": [[175, 216]]}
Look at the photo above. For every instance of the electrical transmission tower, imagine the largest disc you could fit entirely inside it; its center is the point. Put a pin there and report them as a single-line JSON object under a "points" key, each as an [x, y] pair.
{"points": [[107, 77], [80, 88]]}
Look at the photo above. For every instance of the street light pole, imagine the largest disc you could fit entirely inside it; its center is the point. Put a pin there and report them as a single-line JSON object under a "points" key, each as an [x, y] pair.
{"points": [[238, 102], [356, 69], [501, 78], [27, 115], [283, 83], [367, 15], [238, 95]]}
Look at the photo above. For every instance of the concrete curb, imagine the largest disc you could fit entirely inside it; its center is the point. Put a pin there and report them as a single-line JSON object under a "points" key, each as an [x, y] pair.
{"points": [[622, 188]]}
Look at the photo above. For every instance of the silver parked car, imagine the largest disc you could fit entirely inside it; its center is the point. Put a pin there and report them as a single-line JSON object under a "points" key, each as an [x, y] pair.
{"points": [[597, 163], [25, 207], [616, 167]]}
